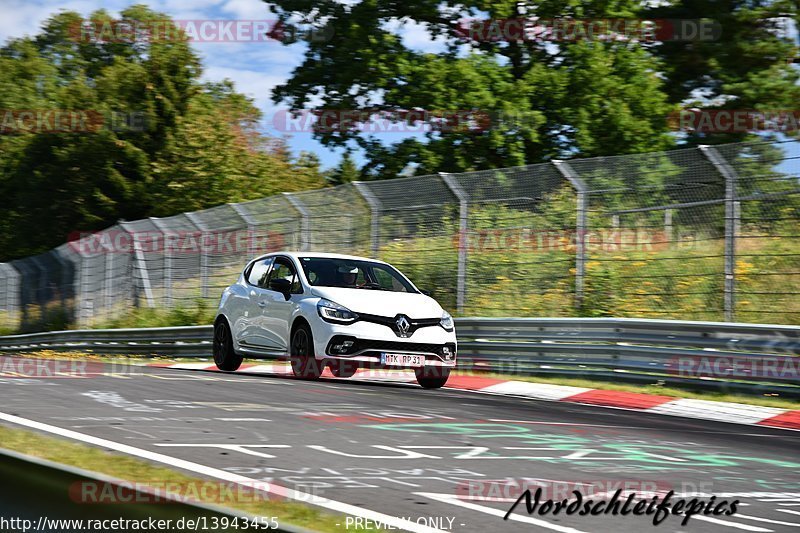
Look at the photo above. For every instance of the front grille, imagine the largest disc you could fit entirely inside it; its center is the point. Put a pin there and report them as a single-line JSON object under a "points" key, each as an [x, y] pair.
{"points": [[391, 322]]}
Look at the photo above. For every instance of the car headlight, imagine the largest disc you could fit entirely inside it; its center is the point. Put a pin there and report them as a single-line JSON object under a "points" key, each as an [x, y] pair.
{"points": [[333, 312], [447, 321]]}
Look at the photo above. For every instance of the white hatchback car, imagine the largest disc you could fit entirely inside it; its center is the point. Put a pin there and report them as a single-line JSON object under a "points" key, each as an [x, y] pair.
{"points": [[340, 311]]}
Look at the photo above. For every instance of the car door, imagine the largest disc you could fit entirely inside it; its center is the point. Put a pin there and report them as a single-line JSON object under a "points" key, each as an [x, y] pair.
{"points": [[253, 332], [277, 313]]}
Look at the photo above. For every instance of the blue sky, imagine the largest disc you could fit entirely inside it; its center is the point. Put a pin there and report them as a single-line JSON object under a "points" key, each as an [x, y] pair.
{"points": [[255, 67]]}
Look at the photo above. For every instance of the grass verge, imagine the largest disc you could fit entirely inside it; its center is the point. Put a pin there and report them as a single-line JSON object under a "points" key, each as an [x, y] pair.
{"points": [[136, 470]]}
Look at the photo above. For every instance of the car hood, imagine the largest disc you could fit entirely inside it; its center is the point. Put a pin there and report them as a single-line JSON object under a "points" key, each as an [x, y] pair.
{"points": [[383, 303]]}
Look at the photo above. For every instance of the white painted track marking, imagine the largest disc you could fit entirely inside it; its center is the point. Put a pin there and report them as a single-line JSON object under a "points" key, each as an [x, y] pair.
{"points": [[455, 500], [767, 520], [332, 505], [734, 525]]}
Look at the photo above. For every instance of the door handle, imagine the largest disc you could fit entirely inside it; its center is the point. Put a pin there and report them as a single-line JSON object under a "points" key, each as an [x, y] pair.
{"points": [[262, 304]]}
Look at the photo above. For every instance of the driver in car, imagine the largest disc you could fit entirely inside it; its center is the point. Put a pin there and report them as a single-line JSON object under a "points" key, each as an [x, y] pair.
{"points": [[347, 276]]}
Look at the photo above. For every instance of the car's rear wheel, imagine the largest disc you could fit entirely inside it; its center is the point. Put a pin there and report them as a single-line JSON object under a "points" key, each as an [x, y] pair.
{"points": [[342, 369], [224, 355], [304, 364], [432, 377]]}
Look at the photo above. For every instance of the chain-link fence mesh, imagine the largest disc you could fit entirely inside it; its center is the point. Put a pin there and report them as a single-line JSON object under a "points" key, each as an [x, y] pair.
{"points": [[708, 233]]}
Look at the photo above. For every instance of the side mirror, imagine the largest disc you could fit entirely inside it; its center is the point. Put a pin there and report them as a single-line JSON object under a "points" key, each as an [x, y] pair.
{"points": [[283, 286]]}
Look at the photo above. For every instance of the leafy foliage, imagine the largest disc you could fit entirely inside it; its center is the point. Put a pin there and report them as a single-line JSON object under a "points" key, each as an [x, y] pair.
{"points": [[545, 99], [188, 146]]}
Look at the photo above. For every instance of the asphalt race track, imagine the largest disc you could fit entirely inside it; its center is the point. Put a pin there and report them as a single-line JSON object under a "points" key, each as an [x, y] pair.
{"points": [[416, 454]]}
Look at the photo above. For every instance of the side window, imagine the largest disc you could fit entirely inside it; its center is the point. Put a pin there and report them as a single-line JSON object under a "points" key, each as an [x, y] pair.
{"points": [[258, 272], [285, 270]]}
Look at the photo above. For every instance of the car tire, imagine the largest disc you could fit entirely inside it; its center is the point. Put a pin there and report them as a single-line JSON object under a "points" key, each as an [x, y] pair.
{"points": [[432, 377], [225, 357], [301, 350], [343, 369]]}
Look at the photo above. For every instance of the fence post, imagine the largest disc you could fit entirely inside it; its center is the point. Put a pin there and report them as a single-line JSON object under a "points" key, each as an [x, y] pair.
{"points": [[731, 226], [203, 253], [108, 283], [305, 231], [167, 251], [463, 213], [251, 227], [139, 264], [13, 286], [62, 283], [580, 227], [375, 215], [84, 312], [668, 230]]}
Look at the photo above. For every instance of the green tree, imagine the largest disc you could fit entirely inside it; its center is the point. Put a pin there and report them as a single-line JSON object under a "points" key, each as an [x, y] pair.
{"points": [[752, 65], [346, 172], [190, 146], [543, 99]]}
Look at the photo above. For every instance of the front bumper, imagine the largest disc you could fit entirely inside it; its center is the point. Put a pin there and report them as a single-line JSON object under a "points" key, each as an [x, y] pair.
{"points": [[369, 340], [368, 351]]}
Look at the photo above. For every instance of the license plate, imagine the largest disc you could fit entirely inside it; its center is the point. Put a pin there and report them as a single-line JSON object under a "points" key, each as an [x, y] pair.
{"points": [[399, 359]]}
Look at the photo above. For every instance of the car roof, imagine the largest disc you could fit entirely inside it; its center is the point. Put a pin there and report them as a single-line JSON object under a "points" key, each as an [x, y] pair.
{"points": [[298, 255]]}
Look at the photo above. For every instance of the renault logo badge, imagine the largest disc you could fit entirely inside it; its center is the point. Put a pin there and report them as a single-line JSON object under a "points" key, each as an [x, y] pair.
{"points": [[403, 326]]}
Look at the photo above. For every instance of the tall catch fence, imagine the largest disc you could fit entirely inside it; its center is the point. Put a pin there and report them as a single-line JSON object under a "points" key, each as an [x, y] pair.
{"points": [[707, 233]]}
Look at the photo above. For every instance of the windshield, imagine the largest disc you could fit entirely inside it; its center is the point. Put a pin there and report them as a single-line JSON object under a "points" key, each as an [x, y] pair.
{"points": [[353, 274]]}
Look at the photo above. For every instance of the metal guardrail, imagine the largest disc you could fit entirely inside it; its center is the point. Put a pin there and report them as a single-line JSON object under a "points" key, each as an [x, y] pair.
{"points": [[741, 357], [751, 358]]}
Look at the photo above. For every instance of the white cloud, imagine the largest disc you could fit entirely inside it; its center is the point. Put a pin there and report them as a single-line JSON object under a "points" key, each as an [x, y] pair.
{"points": [[256, 84], [417, 37], [248, 9], [21, 18]]}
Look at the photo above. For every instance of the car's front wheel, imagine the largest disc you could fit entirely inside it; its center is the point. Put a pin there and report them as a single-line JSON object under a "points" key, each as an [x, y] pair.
{"points": [[432, 377], [304, 364], [224, 355]]}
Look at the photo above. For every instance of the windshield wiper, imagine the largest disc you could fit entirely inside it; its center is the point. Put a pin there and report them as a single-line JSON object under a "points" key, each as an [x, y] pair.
{"points": [[373, 286]]}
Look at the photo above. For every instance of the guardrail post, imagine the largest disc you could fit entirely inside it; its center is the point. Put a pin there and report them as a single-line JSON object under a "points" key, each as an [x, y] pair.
{"points": [[305, 230], [732, 217], [375, 215], [203, 253], [580, 226], [463, 213]]}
